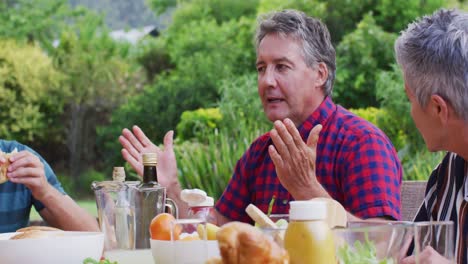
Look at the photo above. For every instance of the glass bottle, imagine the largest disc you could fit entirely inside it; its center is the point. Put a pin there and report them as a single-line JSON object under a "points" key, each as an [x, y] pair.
{"points": [[151, 199], [308, 238], [124, 216]]}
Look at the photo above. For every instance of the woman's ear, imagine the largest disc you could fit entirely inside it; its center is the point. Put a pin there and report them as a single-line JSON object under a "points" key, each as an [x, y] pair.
{"points": [[440, 108]]}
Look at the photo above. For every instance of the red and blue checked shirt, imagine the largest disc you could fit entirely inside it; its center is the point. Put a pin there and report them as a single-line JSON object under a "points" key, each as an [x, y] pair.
{"points": [[356, 164]]}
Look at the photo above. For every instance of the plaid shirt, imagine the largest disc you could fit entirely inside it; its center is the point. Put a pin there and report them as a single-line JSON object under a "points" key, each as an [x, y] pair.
{"points": [[356, 164], [16, 199]]}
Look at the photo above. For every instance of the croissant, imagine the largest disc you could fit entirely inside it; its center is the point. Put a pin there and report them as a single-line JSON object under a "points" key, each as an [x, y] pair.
{"points": [[243, 243]]}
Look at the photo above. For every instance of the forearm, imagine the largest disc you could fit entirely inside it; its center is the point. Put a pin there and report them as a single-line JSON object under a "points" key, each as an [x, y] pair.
{"points": [[62, 212]]}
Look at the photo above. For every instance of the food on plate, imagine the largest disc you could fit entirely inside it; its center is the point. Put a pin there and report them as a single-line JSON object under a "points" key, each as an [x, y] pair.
{"points": [[211, 230], [101, 261], [4, 167], [35, 232], [261, 219], [243, 243], [160, 227]]}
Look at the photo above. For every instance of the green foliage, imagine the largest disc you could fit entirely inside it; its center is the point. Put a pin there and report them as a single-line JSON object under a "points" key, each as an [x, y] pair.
{"points": [[391, 94], [217, 10], [193, 124], [360, 56], [153, 57], [313, 8], [68, 184], [39, 20], [395, 15], [383, 120], [240, 104], [419, 166], [31, 95], [85, 181], [99, 79], [210, 166]]}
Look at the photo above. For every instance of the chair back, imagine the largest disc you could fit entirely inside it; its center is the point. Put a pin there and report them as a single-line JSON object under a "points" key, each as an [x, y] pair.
{"points": [[412, 196]]}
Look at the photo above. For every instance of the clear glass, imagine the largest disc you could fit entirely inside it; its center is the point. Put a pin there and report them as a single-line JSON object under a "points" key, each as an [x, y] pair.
{"points": [[434, 240], [188, 244], [373, 242], [115, 202]]}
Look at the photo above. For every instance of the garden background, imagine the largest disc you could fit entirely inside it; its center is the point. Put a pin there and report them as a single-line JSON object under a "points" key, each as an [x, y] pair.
{"points": [[68, 88]]}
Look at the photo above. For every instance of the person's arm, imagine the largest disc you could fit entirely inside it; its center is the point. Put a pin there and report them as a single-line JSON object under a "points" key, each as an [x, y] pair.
{"points": [[60, 210], [295, 163]]}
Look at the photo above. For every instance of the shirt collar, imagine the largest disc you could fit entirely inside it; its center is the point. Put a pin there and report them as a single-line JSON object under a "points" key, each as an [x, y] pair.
{"points": [[320, 116]]}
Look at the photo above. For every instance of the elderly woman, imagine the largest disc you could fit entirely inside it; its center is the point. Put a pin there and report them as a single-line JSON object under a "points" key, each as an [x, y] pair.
{"points": [[433, 54]]}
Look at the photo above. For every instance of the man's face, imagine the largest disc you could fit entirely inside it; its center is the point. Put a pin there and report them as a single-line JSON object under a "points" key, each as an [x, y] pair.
{"points": [[426, 122], [287, 87]]}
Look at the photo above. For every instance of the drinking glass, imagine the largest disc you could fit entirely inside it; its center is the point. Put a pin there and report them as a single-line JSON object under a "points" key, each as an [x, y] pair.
{"points": [[435, 236]]}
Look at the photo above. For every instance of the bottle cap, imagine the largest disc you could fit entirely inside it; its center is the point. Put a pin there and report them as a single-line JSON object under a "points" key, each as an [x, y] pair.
{"points": [[307, 210], [118, 174], [196, 197], [150, 159]]}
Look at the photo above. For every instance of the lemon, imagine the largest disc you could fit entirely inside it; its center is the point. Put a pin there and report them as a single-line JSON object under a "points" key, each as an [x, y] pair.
{"points": [[211, 230]]}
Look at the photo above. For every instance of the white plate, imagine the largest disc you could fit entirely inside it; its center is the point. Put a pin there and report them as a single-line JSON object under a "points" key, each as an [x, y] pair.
{"points": [[69, 247]]}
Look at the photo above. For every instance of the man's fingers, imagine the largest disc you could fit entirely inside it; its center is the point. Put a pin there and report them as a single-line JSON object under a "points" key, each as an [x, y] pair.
{"points": [[24, 172], [314, 136], [136, 165], [292, 129], [280, 146], [130, 137], [168, 139], [275, 157], [129, 148], [142, 138], [285, 136]]}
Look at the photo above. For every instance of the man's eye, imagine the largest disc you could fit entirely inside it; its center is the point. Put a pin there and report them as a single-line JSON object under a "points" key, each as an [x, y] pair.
{"points": [[260, 69], [281, 67]]}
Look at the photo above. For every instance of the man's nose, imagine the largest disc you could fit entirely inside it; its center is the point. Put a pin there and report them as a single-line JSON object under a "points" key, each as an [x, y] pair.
{"points": [[269, 78]]}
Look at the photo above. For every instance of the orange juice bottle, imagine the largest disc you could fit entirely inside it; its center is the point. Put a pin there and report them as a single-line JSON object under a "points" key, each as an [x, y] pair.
{"points": [[308, 238]]}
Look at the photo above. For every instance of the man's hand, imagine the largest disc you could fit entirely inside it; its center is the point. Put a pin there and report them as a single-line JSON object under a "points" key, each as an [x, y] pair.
{"points": [[295, 160], [136, 143], [26, 168], [427, 256]]}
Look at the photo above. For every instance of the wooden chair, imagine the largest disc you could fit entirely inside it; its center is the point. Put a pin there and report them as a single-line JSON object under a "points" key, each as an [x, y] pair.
{"points": [[412, 196]]}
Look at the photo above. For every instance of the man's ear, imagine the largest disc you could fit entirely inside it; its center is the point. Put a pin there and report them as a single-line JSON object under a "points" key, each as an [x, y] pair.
{"points": [[322, 74], [440, 108]]}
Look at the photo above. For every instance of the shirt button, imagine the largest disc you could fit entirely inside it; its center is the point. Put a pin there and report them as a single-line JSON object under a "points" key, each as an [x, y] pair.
{"points": [[285, 201]]}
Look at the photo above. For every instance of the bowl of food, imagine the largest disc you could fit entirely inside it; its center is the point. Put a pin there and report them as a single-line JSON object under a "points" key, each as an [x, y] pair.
{"points": [[373, 242], [182, 240], [45, 247]]}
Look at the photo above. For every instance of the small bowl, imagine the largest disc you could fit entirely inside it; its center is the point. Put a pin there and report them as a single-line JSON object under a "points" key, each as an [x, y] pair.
{"points": [[67, 247], [373, 242]]}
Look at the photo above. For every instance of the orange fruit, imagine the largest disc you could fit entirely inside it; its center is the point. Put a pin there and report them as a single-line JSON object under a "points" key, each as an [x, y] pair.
{"points": [[160, 227]]}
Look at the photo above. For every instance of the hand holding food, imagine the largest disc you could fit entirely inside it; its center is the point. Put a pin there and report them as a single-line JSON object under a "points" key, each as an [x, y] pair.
{"points": [[26, 168], [4, 165]]}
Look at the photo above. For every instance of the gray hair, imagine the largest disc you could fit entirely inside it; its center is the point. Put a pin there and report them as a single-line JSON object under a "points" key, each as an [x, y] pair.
{"points": [[433, 53], [312, 34]]}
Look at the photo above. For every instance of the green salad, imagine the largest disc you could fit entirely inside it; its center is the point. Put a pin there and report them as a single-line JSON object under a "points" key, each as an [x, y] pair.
{"points": [[361, 253]]}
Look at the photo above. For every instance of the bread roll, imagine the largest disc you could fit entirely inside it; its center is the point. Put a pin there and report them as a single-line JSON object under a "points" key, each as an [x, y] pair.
{"points": [[243, 243], [4, 166], [38, 228], [29, 234]]}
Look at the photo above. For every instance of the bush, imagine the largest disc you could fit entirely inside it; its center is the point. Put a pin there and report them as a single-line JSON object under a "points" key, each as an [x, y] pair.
{"points": [[31, 94], [420, 165], [381, 119], [193, 124], [86, 179], [361, 55]]}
